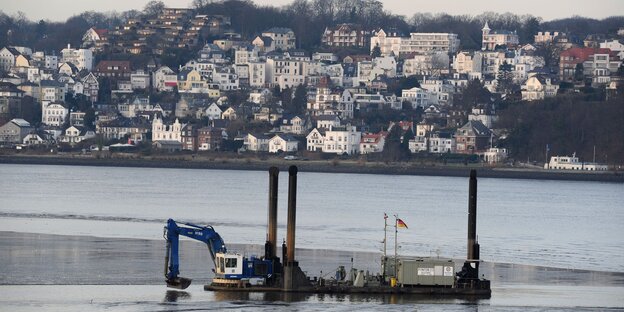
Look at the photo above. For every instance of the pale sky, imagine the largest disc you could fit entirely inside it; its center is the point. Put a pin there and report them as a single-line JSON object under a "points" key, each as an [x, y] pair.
{"points": [[59, 10]]}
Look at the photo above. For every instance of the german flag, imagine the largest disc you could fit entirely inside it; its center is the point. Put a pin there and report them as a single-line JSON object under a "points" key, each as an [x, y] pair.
{"points": [[401, 224]]}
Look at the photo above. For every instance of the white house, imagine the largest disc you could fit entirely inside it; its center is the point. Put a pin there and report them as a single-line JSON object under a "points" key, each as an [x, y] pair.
{"points": [[315, 140], [538, 87], [372, 142], [163, 132], [54, 114], [492, 38], [418, 144], [164, 79], [467, 62], [256, 142], [140, 80], [327, 121], [418, 97], [82, 58], [257, 74], [52, 91], [225, 78], [213, 111], [294, 125], [283, 143], [7, 58], [440, 144], [91, 87], [282, 38], [342, 140], [495, 155], [75, 134]]}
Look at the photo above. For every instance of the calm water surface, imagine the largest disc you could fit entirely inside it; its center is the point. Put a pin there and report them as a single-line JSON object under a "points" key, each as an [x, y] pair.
{"points": [[576, 225], [565, 224]]}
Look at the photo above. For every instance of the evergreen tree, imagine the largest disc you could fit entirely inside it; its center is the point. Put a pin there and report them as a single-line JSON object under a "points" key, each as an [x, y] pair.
{"points": [[505, 79], [376, 52], [300, 99], [578, 72]]}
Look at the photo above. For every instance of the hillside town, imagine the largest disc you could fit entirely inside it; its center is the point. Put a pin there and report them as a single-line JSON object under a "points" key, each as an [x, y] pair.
{"points": [[362, 92]]}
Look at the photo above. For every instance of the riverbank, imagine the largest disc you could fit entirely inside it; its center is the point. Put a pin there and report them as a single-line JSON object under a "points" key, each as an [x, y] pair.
{"points": [[328, 166]]}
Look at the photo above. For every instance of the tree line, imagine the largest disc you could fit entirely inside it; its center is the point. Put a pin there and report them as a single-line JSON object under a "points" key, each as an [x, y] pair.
{"points": [[564, 125]]}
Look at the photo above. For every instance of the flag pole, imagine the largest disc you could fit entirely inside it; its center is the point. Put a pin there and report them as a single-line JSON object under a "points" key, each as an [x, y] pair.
{"points": [[396, 231], [385, 241], [385, 234]]}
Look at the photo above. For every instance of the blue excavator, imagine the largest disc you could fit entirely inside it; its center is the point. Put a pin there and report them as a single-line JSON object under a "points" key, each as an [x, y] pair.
{"points": [[231, 269]]}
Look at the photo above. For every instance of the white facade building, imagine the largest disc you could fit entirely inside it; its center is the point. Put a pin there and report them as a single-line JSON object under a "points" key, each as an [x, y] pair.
{"points": [[164, 79], [283, 143], [82, 58], [284, 72], [419, 43], [342, 140], [163, 132], [419, 97], [315, 140], [54, 114]]}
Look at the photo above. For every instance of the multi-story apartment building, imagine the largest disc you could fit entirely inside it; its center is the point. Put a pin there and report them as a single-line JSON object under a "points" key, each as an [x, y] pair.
{"points": [[81, 58], [570, 58], [419, 43], [422, 43], [284, 72], [345, 35]]}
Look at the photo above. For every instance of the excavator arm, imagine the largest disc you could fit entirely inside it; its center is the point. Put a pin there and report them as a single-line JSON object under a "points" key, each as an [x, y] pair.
{"points": [[172, 234]]}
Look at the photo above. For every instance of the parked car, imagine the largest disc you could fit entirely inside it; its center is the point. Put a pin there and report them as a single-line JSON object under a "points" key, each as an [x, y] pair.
{"points": [[291, 157]]}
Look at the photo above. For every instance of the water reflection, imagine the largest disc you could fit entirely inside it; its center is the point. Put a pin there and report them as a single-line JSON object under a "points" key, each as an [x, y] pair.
{"points": [[237, 296], [175, 295]]}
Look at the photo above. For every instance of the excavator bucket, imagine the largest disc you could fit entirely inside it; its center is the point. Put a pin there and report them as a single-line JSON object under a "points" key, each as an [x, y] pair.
{"points": [[179, 282]]}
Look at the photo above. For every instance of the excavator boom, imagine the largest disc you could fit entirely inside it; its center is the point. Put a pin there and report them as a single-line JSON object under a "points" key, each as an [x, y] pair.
{"points": [[172, 234]]}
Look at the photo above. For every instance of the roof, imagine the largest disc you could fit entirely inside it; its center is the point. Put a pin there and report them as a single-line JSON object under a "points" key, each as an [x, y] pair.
{"points": [[328, 117], [101, 32], [6, 86], [20, 122], [285, 137], [278, 30], [583, 53], [476, 128], [13, 51], [103, 66], [50, 83], [259, 136]]}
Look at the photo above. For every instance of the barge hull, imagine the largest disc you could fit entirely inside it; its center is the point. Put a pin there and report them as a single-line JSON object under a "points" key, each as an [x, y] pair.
{"points": [[429, 291]]}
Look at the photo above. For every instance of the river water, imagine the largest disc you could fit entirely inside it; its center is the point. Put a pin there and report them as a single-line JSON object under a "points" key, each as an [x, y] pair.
{"points": [[568, 225]]}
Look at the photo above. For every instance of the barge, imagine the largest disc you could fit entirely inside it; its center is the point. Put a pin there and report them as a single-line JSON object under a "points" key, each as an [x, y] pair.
{"points": [[419, 276]]}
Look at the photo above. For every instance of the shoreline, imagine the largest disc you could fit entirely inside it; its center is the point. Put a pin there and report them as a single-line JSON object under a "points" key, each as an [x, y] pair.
{"points": [[332, 166]]}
